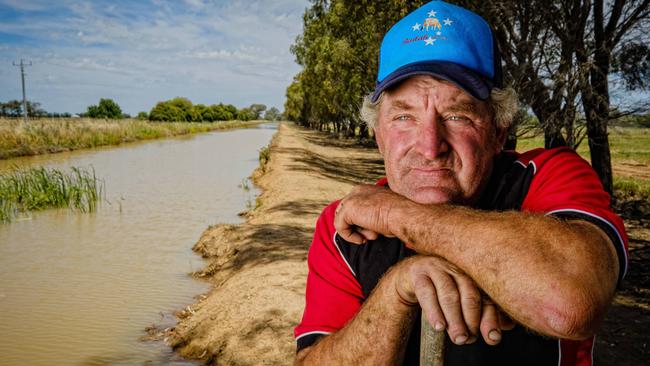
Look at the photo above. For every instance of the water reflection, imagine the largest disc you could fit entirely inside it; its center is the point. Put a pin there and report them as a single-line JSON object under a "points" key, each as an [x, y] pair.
{"points": [[80, 288]]}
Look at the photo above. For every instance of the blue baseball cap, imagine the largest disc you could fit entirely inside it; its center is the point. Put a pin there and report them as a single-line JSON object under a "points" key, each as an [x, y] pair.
{"points": [[444, 41]]}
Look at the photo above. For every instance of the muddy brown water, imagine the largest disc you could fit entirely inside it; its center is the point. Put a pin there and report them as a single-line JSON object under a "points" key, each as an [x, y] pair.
{"points": [[79, 289]]}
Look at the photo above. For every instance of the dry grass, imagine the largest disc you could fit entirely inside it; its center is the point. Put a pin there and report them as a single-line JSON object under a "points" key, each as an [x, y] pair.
{"points": [[44, 136]]}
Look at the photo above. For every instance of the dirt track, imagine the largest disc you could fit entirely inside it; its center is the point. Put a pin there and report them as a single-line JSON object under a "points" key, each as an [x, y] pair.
{"points": [[258, 268]]}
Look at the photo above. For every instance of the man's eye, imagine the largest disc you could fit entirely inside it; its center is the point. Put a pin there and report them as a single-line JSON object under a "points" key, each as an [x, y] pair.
{"points": [[456, 118], [402, 117]]}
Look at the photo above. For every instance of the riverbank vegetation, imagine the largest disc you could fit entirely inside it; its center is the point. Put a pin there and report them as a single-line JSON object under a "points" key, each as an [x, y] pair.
{"points": [[43, 136], [182, 109], [32, 189], [178, 109]]}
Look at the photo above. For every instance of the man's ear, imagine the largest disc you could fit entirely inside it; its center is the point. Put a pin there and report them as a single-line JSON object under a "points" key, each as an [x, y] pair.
{"points": [[502, 136], [379, 140]]}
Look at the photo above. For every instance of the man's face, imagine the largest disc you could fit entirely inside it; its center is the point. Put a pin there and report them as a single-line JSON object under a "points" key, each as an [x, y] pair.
{"points": [[438, 142]]}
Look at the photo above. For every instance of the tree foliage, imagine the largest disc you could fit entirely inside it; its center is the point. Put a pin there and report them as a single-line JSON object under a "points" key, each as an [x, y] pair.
{"points": [[272, 114], [182, 110], [338, 51], [107, 108], [257, 109], [166, 112], [246, 114], [14, 108], [559, 55]]}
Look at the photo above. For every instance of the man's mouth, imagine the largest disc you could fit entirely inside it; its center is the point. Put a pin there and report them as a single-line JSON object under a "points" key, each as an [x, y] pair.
{"points": [[431, 169]]}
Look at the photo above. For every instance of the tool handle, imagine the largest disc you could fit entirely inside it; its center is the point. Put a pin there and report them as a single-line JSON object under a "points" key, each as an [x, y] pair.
{"points": [[432, 345]]}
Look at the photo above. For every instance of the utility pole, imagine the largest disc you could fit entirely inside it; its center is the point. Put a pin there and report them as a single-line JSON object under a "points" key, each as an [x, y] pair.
{"points": [[22, 76]]}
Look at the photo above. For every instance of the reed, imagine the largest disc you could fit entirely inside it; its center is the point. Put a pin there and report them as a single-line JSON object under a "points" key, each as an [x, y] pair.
{"points": [[42, 136], [264, 156], [32, 189]]}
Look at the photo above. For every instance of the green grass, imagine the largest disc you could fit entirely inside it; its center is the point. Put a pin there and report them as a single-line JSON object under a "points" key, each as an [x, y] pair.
{"points": [[25, 190], [630, 145], [264, 156], [627, 145], [44, 136], [632, 188]]}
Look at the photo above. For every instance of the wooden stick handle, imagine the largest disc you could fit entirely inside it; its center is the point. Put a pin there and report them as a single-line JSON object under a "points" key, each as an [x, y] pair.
{"points": [[432, 345]]}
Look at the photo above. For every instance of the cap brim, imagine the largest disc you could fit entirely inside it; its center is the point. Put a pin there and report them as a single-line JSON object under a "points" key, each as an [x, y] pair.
{"points": [[460, 76]]}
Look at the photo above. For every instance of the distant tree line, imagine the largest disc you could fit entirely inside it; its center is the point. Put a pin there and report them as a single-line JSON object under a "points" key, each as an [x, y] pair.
{"points": [[14, 108], [177, 110], [107, 108], [560, 56], [182, 109]]}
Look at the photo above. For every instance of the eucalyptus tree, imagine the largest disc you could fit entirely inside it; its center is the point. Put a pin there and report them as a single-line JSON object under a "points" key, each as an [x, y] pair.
{"points": [[560, 56]]}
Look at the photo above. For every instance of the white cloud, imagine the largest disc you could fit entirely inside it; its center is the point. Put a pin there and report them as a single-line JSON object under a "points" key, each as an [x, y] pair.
{"points": [[231, 52], [28, 5], [195, 4]]}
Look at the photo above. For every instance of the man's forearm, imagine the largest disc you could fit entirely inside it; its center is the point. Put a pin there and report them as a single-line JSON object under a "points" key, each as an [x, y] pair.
{"points": [[377, 335], [550, 275]]}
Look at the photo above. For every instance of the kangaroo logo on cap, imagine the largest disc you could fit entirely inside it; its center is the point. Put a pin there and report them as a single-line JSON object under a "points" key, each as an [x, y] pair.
{"points": [[429, 23], [444, 41]]}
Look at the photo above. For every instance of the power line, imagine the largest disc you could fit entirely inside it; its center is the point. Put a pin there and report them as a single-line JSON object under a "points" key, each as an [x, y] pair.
{"points": [[22, 65]]}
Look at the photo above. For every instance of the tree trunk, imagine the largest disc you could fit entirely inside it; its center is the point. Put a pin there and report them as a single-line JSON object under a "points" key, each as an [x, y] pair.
{"points": [[363, 131], [553, 136], [597, 103], [597, 114], [600, 156]]}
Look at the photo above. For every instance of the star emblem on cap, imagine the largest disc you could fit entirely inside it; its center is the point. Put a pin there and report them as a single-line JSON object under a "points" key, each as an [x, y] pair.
{"points": [[429, 41], [432, 14], [417, 26], [447, 21]]}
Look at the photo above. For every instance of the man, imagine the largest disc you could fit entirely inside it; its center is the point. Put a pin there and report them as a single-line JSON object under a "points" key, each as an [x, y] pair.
{"points": [[516, 256]]}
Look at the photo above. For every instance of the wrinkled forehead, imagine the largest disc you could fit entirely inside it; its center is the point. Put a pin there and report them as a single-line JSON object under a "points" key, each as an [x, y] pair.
{"points": [[422, 90]]}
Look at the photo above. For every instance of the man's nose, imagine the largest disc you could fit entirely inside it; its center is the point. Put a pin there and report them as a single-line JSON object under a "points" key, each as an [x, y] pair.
{"points": [[432, 139]]}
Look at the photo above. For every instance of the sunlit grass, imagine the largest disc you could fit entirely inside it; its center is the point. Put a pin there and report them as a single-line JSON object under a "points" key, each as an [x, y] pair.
{"points": [[44, 136], [628, 146], [264, 156], [32, 189], [628, 187]]}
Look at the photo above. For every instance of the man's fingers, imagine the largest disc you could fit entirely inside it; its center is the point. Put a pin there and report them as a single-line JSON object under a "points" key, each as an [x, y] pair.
{"points": [[449, 300], [347, 231], [470, 301], [447, 297], [428, 299], [368, 234], [352, 236], [490, 329], [356, 235], [362, 214], [350, 232]]}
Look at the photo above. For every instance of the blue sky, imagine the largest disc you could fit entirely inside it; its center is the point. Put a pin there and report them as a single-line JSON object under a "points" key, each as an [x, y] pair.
{"points": [[142, 52]]}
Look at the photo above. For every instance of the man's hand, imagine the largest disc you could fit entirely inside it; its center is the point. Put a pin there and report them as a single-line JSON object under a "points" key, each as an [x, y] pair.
{"points": [[450, 299], [362, 215]]}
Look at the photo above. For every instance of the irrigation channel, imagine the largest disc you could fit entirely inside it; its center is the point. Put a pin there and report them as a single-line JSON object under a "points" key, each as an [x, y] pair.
{"points": [[80, 288]]}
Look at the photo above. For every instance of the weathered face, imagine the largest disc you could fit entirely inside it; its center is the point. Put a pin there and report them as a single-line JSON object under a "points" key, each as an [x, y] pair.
{"points": [[438, 142]]}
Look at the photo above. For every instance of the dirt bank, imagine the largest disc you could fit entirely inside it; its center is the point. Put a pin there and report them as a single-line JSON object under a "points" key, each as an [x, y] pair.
{"points": [[258, 268]]}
